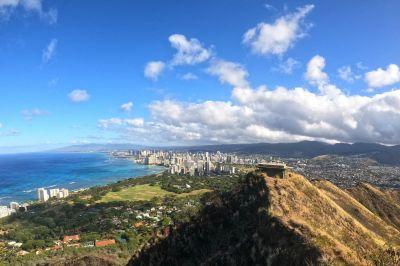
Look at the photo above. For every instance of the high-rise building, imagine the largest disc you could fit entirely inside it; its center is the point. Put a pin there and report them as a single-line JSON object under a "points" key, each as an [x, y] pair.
{"points": [[43, 196], [54, 192], [63, 193], [150, 159], [207, 167]]}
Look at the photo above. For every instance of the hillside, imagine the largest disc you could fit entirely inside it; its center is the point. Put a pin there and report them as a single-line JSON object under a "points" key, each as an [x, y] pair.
{"points": [[280, 222], [384, 203]]}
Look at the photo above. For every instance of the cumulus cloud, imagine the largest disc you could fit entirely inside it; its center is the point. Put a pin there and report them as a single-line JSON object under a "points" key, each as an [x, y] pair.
{"points": [[269, 115], [189, 51], [154, 69], [127, 107], [33, 6], [49, 51], [278, 37], [229, 72], [30, 114], [79, 96], [383, 77], [315, 74]]}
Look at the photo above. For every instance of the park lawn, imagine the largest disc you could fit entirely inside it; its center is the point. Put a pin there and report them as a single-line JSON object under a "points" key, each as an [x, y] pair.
{"points": [[144, 192]]}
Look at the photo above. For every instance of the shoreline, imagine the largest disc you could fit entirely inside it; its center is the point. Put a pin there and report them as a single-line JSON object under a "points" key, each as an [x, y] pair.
{"points": [[81, 188]]}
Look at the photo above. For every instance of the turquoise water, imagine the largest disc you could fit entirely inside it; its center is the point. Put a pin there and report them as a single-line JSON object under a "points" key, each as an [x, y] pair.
{"points": [[22, 174]]}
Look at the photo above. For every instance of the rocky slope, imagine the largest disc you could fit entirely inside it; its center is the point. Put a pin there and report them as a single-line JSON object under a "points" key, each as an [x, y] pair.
{"points": [[291, 221]]}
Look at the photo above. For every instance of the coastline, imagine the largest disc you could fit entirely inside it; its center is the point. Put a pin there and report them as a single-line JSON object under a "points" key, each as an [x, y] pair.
{"points": [[84, 182]]}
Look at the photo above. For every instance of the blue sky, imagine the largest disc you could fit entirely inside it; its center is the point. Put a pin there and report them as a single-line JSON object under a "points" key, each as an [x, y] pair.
{"points": [[198, 72]]}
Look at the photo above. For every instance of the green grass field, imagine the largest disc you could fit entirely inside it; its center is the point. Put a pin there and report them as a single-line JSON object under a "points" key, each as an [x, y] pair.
{"points": [[144, 192]]}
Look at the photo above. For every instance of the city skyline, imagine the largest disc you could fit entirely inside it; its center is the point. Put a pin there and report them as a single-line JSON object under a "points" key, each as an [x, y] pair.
{"points": [[178, 74]]}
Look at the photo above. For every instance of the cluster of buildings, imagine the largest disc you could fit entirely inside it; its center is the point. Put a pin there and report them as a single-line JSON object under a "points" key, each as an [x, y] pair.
{"points": [[13, 208], [194, 164], [44, 194], [348, 171]]}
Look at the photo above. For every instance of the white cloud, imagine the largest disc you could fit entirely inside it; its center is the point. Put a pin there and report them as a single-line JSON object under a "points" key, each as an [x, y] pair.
{"points": [[154, 69], [268, 115], [79, 96], [213, 113], [383, 77], [106, 123], [189, 51], [315, 74], [136, 122], [278, 37], [229, 72], [271, 116], [1, 125], [49, 51], [34, 6], [30, 114], [346, 73], [287, 66], [189, 76], [317, 77], [116, 122], [127, 107]]}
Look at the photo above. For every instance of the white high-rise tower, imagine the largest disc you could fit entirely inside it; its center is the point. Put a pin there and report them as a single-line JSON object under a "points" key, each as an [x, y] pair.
{"points": [[43, 196]]}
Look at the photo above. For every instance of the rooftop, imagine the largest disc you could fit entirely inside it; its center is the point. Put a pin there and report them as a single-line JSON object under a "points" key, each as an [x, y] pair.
{"points": [[273, 165]]}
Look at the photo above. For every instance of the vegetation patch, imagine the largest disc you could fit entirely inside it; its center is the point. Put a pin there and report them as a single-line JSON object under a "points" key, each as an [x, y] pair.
{"points": [[145, 192]]}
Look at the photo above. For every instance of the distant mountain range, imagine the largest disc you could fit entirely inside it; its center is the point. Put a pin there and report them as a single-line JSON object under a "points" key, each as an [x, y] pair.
{"points": [[380, 153]]}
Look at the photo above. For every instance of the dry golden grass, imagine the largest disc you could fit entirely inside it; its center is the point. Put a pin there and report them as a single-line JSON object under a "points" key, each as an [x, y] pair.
{"points": [[384, 203], [343, 229], [359, 212]]}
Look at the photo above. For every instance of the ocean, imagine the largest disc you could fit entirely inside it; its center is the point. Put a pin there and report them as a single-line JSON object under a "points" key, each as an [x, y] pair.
{"points": [[22, 174]]}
